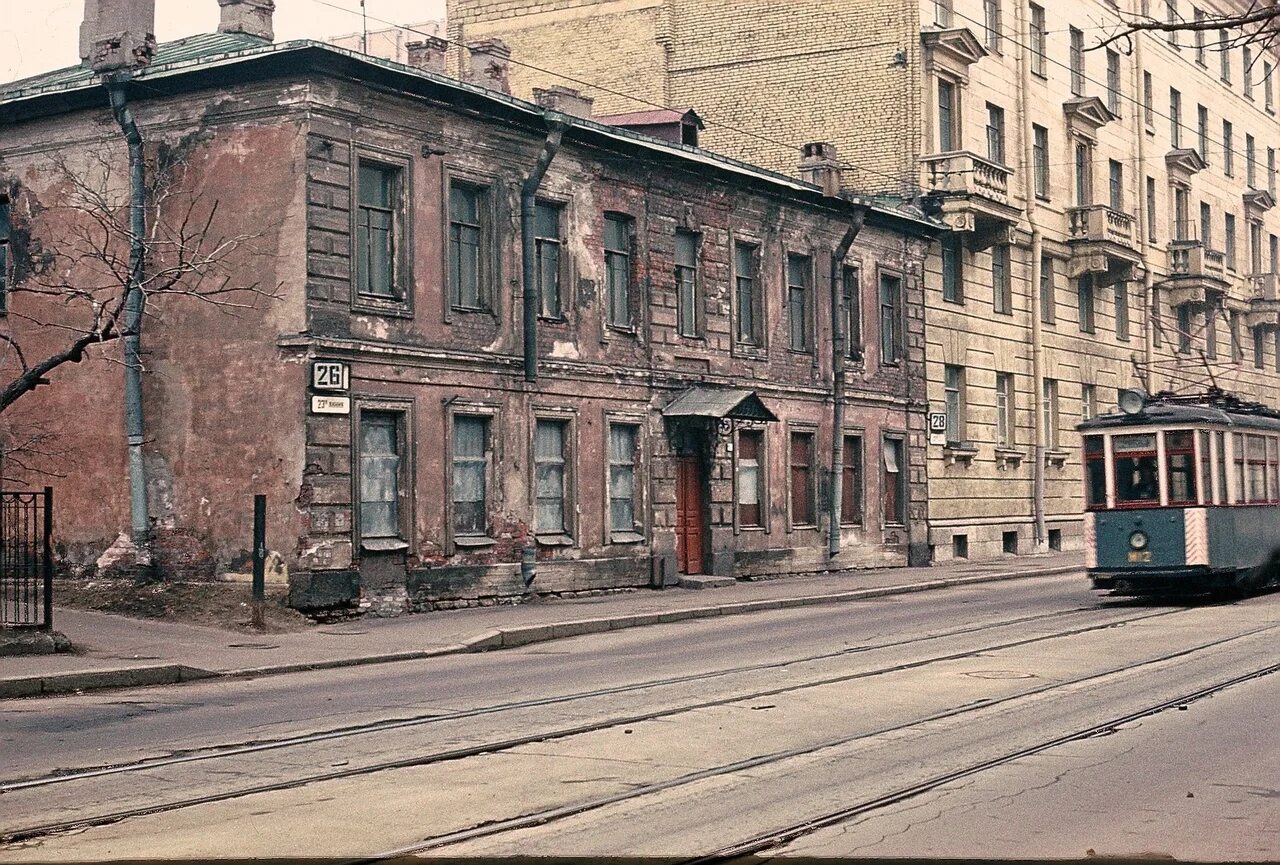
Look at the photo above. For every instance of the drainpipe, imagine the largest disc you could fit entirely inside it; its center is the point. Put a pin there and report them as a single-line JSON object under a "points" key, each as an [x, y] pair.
{"points": [[134, 302], [528, 210], [1037, 254], [839, 349], [1148, 276]]}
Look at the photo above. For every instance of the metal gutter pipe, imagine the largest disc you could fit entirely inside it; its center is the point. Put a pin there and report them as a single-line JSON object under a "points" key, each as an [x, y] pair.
{"points": [[839, 349], [134, 303], [1037, 261], [528, 247]]}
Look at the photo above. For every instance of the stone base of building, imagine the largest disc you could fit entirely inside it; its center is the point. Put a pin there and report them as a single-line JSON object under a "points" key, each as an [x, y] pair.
{"points": [[988, 542]]}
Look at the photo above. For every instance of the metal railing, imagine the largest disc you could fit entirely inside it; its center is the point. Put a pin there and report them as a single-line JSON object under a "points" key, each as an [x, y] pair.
{"points": [[26, 559]]}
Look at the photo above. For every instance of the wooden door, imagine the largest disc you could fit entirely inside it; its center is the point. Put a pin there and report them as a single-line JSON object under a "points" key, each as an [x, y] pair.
{"points": [[690, 528]]}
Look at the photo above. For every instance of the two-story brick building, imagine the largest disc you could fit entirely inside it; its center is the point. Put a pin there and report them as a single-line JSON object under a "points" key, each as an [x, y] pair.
{"points": [[1111, 205], [512, 348]]}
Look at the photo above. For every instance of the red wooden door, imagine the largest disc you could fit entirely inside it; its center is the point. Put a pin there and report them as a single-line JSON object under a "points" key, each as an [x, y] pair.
{"points": [[689, 525]]}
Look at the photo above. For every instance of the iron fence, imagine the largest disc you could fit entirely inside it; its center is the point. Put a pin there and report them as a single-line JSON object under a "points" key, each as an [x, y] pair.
{"points": [[26, 559]]}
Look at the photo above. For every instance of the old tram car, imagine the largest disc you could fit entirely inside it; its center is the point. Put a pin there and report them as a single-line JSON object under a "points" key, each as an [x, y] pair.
{"points": [[1182, 495]]}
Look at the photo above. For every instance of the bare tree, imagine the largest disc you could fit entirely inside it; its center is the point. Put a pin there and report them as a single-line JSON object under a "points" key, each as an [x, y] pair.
{"points": [[70, 260], [1251, 22]]}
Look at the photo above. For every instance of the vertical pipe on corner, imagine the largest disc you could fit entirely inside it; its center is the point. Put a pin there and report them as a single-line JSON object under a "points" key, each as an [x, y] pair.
{"points": [[528, 241], [839, 350], [1037, 253], [134, 303]]}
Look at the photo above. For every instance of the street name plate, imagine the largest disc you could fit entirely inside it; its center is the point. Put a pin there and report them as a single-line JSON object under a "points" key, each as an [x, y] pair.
{"points": [[331, 405]]}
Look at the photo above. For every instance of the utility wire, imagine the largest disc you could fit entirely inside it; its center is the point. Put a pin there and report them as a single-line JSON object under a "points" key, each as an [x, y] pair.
{"points": [[908, 183], [1014, 39]]}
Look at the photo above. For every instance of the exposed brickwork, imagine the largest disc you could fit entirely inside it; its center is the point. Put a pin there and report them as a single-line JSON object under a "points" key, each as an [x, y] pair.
{"points": [[426, 362]]}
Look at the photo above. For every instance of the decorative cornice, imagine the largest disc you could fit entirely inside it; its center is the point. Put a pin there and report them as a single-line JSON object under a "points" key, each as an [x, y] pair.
{"points": [[1259, 200], [1086, 115], [1184, 162], [958, 45]]}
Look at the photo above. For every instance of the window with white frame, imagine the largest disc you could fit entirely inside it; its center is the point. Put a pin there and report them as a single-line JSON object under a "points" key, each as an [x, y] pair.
{"points": [[624, 439], [550, 462], [470, 475]]}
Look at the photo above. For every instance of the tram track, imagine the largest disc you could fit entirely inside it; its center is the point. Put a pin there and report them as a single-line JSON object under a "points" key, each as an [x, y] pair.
{"points": [[544, 735], [778, 837], [214, 752]]}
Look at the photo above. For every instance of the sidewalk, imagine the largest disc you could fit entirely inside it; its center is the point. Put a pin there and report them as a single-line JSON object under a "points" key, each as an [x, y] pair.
{"points": [[120, 652]]}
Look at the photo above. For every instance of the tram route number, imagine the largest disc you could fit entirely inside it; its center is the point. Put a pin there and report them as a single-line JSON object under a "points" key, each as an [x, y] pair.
{"points": [[1140, 556]]}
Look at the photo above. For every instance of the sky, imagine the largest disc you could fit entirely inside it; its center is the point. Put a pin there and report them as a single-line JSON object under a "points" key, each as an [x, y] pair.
{"points": [[39, 35]]}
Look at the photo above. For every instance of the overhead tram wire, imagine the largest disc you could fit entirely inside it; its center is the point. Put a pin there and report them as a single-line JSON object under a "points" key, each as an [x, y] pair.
{"points": [[908, 183]]}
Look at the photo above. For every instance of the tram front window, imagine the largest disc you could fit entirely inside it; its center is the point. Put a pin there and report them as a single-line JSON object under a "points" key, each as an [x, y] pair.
{"points": [[1137, 480]]}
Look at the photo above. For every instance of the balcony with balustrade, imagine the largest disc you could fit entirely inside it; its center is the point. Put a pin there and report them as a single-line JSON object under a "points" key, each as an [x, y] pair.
{"points": [[1264, 301], [1103, 242], [971, 194], [1196, 273]]}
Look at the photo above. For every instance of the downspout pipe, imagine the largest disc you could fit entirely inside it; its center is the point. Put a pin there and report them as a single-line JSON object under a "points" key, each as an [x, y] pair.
{"points": [[1039, 520], [528, 245], [839, 352], [134, 303]]}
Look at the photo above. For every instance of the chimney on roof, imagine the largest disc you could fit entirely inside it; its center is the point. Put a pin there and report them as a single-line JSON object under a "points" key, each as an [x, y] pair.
{"points": [[117, 34], [820, 167], [250, 17], [428, 53], [490, 62], [566, 100]]}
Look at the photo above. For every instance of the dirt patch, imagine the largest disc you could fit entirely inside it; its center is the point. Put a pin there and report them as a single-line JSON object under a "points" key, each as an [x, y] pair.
{"points": [[224, 605]]}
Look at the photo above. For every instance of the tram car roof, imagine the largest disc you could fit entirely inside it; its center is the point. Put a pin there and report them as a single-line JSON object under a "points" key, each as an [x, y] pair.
{"points": [[1157, 412]]}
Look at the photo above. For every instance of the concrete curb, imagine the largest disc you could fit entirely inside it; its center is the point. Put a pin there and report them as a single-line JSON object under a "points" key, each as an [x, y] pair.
{"points": [[87, 680], [501, 638]]}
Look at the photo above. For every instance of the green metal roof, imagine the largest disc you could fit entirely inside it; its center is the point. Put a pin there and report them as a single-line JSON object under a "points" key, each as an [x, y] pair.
{"points": [[180, 51]]}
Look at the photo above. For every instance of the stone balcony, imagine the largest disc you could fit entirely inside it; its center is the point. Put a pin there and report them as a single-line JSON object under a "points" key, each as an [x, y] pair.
{"points": [[1104, 243], [1197, 274], [1264, 301], [971, 195]]}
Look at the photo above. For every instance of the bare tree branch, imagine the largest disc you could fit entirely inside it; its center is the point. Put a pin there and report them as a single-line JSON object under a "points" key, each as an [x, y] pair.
{"points": [[72, 272]]}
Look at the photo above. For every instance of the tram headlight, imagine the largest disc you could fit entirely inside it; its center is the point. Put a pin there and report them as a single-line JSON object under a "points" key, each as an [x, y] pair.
{"points": [[1132, 401], [1138, 540]]}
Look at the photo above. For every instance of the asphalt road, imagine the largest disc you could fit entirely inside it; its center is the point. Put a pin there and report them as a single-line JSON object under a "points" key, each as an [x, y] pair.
{"points": [[936, 724]]}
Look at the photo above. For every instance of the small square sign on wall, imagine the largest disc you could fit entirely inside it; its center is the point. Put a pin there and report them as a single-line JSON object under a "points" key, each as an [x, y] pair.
{"points": [[329, 375], [937, 427]]}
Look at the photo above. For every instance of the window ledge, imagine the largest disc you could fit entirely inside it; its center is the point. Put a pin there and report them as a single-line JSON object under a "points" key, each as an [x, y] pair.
{"points": [[382, 306], [471, 310], [1009, 457], [474, 541], [626, 538], [383, 545], [553, 540], [962, 452], [1055, 458]]}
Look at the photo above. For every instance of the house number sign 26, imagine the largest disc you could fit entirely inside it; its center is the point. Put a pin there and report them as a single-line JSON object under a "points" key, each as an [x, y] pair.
{"points": [[329, 375]]}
